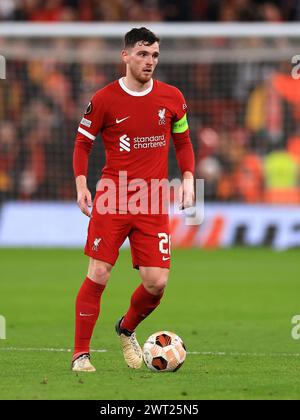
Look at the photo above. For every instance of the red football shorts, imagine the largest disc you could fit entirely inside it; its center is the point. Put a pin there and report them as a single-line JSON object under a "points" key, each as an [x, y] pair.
{"points": [[148, 235]]}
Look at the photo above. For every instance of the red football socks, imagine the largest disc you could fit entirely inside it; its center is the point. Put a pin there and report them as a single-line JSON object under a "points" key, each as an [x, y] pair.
{"points": [[87, 313], [141, 305]]}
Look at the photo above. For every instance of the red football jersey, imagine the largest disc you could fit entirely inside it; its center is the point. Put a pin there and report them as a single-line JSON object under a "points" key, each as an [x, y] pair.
{"points": [[136, 128]]}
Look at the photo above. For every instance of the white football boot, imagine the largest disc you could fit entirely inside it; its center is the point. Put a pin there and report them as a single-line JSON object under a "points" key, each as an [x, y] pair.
{"points": [[82, 364], [132, 351]]}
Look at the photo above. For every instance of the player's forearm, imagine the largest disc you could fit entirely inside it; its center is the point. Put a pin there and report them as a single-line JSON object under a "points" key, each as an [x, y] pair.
{"points": [[188, 190], [188, 175], [184, 153], [81, 182], [81, 158], [84, 199]]}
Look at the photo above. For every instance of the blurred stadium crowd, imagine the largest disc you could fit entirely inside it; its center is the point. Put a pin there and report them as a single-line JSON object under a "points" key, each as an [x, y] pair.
{"points": [[150, 10], [244, 116], [246, 132]]}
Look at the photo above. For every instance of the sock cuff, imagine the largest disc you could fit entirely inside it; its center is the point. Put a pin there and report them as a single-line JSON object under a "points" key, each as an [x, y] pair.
{"points": [[93, 286]]}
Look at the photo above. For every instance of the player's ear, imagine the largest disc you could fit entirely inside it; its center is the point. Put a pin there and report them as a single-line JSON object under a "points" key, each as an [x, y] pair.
{"points": [[124, 55]]}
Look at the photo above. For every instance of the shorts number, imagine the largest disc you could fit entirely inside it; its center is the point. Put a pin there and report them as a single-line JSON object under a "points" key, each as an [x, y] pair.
{"points": [[164, 243]]}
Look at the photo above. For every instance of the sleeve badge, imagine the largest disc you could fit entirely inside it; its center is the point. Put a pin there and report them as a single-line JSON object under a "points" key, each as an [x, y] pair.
{"points": [[89, 109]]}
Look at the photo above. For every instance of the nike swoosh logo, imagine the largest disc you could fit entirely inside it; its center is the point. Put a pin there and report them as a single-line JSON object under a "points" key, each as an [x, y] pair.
{"points": [[81, 314], [165, 258], [123, 119]]}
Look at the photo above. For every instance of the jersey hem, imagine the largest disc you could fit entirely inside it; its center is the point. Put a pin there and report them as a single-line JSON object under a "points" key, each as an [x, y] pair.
{"points": [[87, 253]]}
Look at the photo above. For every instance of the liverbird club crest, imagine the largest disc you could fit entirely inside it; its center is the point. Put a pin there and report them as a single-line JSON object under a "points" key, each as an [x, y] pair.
{"points": [[162, 116]]}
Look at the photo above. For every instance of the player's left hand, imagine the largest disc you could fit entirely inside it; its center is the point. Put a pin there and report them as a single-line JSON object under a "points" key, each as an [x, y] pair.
{"points": [[187, 193]]}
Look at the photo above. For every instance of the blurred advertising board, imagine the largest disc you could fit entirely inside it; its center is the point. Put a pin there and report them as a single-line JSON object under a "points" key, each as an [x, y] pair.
{"points": [[224, 225]]}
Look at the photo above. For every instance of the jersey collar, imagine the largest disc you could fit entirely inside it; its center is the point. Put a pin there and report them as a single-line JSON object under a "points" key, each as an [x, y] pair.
{"points": [[132, 92]]}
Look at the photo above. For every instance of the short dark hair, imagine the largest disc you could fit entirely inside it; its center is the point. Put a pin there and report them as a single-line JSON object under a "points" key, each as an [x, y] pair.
{"points": [[140, 34]]}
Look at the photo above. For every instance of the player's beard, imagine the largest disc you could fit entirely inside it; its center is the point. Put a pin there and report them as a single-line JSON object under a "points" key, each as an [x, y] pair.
{"points": [[142, 76]]}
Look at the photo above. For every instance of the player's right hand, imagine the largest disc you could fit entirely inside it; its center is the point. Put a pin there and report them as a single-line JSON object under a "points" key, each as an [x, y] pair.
{"points": [[84, 201]]}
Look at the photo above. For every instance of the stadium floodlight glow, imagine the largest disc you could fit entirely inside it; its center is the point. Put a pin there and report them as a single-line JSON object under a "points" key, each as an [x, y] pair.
{"points": [[2, 67], [2, 328]]}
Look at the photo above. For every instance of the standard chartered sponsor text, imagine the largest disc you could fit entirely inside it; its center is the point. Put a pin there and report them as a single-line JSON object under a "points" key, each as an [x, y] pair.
{"points": [[149, 142]]}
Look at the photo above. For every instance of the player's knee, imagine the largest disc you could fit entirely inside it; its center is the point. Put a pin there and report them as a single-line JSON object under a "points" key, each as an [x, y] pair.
{"points": [[99, 272], [157, 286]]}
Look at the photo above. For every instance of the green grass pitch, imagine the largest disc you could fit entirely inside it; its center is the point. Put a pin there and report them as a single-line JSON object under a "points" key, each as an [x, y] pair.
{"points": [[233, 309]]}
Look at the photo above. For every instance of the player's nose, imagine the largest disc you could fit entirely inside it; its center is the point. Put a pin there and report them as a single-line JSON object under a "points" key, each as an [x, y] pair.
{"points": [[150, 61]]}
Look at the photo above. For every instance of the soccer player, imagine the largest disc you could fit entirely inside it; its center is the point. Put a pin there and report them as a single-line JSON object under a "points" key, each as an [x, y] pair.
{"points": [[136, 116]]}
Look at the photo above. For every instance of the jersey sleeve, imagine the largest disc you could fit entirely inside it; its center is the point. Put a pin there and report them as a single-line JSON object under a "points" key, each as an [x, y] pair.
{"points": [[181, 135], [90, 125], [179, 122], [93, 119]]}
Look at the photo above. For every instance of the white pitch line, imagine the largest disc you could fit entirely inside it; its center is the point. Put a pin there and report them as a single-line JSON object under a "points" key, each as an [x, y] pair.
{"points": [[199, 353], [45, 349], [224, 354]]}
